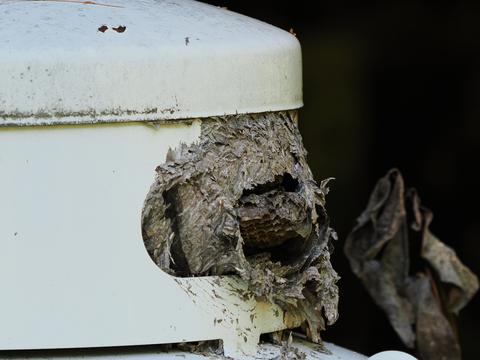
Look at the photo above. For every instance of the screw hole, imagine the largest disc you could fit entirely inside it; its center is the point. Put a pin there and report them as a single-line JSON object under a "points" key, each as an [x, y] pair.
{"points": [[120, 29]]}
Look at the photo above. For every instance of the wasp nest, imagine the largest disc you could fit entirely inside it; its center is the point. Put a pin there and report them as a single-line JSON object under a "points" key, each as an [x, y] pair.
{"points": [[243, 201]]}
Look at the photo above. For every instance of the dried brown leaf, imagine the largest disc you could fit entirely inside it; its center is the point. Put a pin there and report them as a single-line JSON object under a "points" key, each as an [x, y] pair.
{"points": [[391, 234]]}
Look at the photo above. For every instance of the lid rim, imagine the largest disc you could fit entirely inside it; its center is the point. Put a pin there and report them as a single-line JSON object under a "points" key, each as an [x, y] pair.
{"points": [[25, 120]]}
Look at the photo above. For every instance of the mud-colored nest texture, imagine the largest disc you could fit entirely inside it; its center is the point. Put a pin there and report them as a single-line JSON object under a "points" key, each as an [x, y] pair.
{"points": [[242, 200]]}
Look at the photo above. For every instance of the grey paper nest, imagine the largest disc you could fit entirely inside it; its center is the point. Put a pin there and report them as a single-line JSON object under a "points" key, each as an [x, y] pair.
{"points": [[243, 201]]}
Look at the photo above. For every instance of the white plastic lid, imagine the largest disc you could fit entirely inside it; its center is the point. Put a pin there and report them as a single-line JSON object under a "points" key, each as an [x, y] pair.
{"points": [[392, 355], [62, 61]]}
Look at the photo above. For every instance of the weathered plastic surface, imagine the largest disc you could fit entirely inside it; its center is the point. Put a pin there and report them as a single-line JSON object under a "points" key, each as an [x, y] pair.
{"points": [[265, 352], [73, 267], [167, 59]]}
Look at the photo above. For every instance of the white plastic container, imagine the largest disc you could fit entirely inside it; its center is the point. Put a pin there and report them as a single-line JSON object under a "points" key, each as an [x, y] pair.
{"points": [[92, 96]]}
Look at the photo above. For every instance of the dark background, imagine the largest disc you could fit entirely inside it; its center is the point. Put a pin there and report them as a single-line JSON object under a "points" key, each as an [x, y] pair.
{"points": [[390, 84]]}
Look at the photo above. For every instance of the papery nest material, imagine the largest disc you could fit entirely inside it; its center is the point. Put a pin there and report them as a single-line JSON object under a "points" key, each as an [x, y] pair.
{"points": [[243, 201]]}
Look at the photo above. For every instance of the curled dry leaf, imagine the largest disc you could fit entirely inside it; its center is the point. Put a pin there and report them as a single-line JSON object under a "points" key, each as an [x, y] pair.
{"points": [[243, 201], [416, 279]]}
